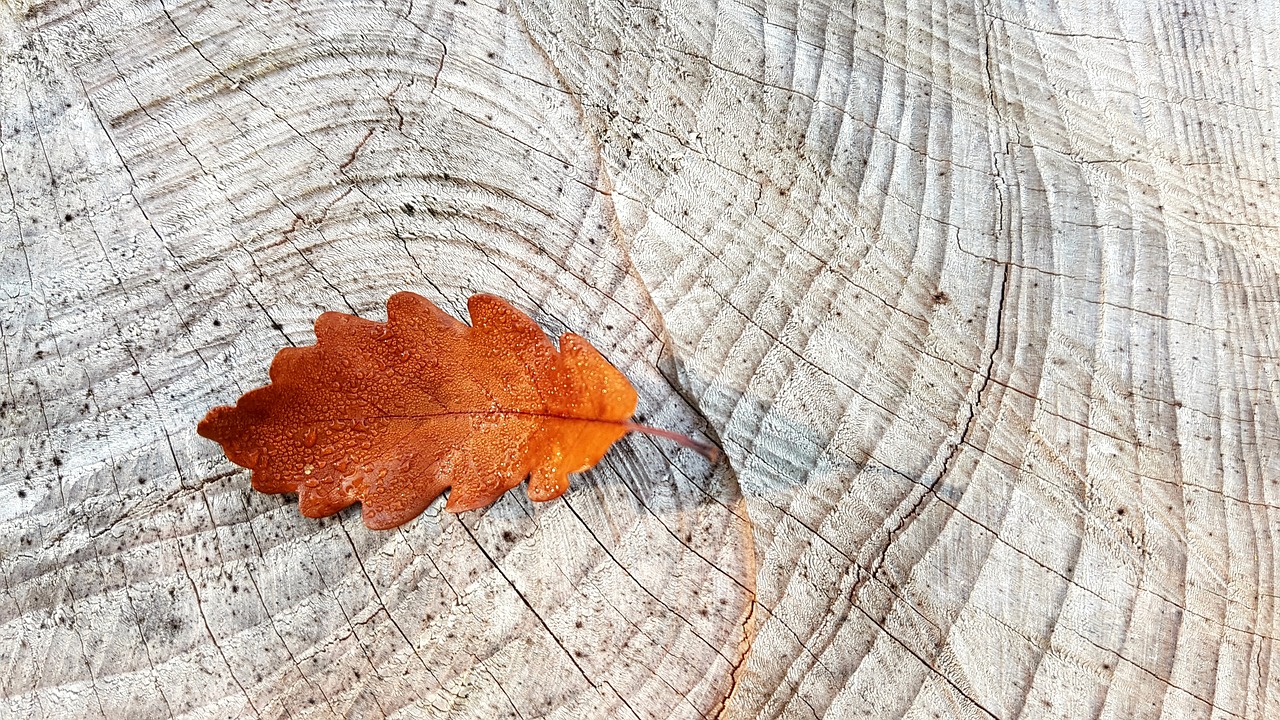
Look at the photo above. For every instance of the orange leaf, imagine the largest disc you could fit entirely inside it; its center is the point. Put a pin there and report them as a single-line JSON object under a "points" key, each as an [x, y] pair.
{"points": [[392, 414]]}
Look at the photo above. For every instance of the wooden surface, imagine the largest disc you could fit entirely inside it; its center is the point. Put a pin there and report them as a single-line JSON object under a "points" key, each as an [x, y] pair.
{"points": [[980, 300]]}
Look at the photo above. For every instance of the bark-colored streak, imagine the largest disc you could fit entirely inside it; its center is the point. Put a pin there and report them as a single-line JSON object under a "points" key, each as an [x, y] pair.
{"points": [[979, 300]]}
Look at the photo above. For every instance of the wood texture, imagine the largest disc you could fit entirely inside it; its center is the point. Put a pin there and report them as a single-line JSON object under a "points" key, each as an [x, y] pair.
{"points": [[979, 298]]}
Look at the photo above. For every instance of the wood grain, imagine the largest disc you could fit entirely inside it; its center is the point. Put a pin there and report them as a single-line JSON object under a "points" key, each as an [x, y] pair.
{"points": [[979, 298]]}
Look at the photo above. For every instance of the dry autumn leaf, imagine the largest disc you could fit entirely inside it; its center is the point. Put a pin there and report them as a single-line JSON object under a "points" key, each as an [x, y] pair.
{"points": [[392, 414]]}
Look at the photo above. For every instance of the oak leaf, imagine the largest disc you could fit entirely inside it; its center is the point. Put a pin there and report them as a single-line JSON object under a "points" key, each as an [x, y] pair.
{"points": [[392, 414]]}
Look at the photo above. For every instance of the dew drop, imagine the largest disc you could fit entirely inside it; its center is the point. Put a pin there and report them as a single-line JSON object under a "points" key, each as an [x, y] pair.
{"points": [[445, 469], [343, 464], [309, 437]]}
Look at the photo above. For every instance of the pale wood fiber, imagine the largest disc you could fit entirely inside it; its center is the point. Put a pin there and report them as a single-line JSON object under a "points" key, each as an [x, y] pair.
{"points": [[980, 299]]}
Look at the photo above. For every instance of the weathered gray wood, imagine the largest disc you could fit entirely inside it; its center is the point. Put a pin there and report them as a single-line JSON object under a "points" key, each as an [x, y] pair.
{"points": [[979, 298]]}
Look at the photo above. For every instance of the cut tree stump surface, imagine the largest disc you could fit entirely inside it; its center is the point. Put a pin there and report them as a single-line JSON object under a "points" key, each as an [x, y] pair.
{"points": [[980, 299]]}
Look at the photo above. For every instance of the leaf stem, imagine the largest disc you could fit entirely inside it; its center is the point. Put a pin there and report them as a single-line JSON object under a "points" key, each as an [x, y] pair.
{"points": [[707, 450]]}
